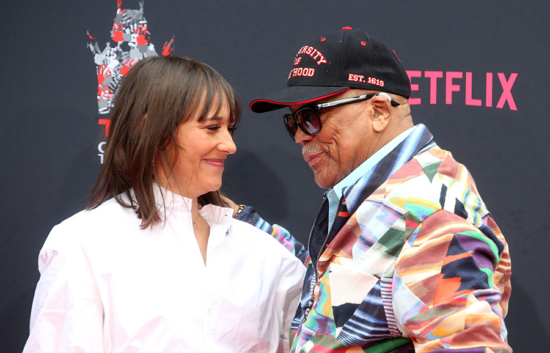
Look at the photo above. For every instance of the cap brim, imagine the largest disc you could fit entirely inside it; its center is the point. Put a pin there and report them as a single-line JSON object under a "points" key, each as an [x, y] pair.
{"points": [[293, 95]]}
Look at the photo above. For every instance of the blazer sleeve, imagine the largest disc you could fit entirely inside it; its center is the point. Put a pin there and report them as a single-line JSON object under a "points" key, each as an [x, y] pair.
{"points": [[451, 287], [283, 236]]}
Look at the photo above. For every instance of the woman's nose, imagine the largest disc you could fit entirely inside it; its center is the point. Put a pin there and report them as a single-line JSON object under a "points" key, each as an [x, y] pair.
{"points": [[227, 145]]}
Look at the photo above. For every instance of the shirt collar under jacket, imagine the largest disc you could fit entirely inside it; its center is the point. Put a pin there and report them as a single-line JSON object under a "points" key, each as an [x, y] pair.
{"points": [[335, 194]]}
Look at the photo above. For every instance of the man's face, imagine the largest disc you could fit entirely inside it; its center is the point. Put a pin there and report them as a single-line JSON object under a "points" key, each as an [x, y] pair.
{"points": [[345, 141]]}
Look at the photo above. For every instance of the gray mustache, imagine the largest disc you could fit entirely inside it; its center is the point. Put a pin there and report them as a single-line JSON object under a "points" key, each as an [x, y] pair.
{"points": [[310, 150]]}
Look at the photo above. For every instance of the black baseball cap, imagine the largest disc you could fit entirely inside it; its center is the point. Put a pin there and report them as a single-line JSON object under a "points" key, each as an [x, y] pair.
{"points": [[334, 63]]}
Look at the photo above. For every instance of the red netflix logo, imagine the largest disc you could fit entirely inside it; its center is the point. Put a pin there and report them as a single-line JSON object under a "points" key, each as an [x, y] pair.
{"points": [[456, 81]]}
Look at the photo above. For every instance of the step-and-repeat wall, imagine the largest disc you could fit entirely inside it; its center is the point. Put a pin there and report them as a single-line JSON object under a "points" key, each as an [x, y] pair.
{"points": [[479, 72]]}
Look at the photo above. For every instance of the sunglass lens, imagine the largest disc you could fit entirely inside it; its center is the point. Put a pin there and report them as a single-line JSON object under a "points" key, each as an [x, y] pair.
{"points": [[309, 119], [289, 124]]}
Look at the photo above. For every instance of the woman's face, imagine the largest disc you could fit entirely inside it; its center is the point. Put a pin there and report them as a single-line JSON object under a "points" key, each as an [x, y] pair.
{"points": [[202, 150]]}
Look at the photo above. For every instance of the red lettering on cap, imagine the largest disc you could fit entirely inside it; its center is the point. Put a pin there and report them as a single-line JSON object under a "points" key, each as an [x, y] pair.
{"points": [[346, 28], [301, 71], [311, 51], [356, 78]]}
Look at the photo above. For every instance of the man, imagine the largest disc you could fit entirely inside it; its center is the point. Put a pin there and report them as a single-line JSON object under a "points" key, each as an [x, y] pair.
{"points": [[405, 257]]}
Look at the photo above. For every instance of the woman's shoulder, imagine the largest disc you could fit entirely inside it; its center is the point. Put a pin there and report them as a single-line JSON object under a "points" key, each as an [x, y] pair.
{"points": [[263, 248], [247, 230], [96, 223], [104, 214], [258, 239]]}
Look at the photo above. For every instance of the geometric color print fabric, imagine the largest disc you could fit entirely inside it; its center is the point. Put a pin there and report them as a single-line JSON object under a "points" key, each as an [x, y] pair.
{"points": [[426, 261]]}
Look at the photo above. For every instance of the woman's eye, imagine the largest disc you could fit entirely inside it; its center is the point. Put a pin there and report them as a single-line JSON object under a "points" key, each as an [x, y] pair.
{"points": [[232, 129], [213, 127]]}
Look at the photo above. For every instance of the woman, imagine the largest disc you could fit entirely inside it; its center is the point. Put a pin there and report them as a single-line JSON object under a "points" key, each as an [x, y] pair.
{"points": [[157, 263]]}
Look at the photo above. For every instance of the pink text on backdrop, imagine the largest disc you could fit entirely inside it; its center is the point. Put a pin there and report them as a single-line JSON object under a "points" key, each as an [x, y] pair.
{"points": [[456, 81]]}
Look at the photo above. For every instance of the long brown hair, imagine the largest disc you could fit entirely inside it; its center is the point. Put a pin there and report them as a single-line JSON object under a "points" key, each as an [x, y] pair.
{"points": [[157, 95]]}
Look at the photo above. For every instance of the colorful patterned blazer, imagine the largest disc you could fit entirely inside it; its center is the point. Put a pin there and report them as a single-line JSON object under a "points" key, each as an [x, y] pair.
{"points": [[414, 262]]}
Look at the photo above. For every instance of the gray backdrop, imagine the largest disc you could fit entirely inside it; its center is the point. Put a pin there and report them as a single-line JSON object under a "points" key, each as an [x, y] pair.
{"points": [[49, 132]]}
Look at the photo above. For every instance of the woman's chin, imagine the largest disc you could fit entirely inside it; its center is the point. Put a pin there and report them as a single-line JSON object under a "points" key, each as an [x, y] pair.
{"points": [[210, 188]]}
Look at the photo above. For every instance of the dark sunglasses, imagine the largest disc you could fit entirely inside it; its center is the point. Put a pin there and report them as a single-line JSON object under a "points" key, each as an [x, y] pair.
{"points": [[307, 118]]}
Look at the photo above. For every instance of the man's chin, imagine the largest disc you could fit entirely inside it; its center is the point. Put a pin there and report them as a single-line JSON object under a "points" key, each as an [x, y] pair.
{"points": [[322, 181]]}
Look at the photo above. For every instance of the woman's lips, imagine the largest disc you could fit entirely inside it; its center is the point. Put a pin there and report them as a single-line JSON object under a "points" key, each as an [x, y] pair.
{"points": [[216, 162]]}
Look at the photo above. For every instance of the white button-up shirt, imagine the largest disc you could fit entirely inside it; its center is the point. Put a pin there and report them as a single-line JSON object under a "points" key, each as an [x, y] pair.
{"points": [[108, 286]]}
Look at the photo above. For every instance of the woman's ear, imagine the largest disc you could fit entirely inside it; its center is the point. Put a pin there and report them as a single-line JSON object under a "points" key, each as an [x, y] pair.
{"points": [[381, 104]]}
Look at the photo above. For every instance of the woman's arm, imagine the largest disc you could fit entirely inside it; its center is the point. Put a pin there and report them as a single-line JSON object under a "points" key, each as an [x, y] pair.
{"points": [[67, 312], [291, 280]]}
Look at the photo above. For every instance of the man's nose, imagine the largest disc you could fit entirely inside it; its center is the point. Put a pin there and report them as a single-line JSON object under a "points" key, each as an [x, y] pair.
{"points": [[301, 136]]}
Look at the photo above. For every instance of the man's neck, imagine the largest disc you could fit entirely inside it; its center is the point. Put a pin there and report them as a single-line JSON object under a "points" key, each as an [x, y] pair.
{"points": [[335, 194]]}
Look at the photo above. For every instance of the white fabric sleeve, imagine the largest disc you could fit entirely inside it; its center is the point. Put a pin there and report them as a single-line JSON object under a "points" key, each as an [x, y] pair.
{"points": [[289, 291], [67, 314]]}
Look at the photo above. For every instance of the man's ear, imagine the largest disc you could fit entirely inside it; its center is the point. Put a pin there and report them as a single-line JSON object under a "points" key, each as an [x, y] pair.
{"points": [[381, 106]]}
